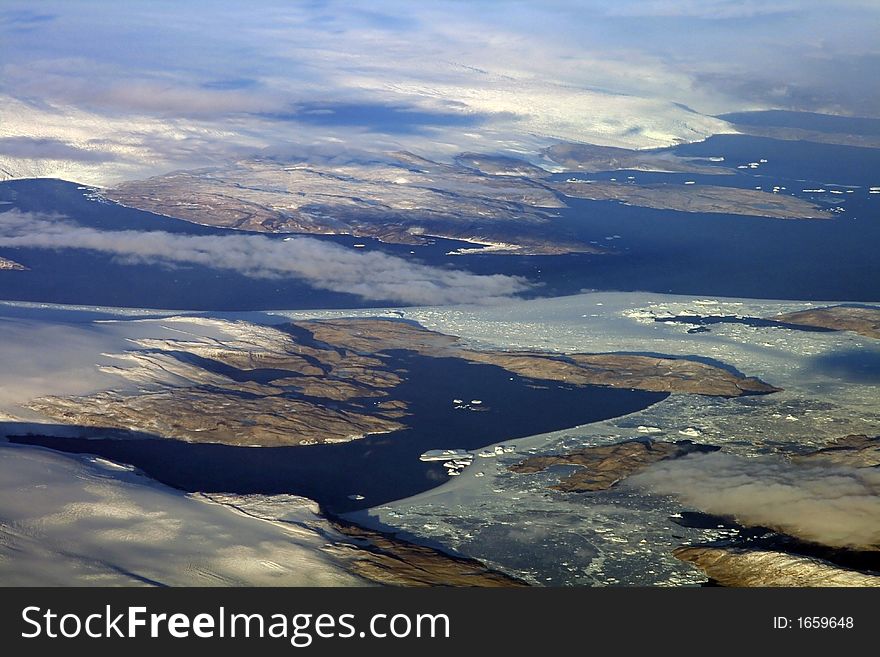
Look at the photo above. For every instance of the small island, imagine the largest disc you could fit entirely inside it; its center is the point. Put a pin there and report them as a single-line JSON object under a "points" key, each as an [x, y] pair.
{"points": [[11, 265]]}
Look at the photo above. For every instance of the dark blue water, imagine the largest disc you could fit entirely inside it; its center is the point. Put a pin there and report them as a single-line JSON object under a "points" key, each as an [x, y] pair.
{"points": [[658, 250], [731, 255], [793, 160], [383, 467], [851, 125]]}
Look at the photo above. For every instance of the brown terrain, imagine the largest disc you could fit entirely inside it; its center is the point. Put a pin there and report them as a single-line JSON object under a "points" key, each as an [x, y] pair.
{"points": [[324, 381], [602, 466], [614, 370], [400, 198], [739, 567], [499, 202], [863, 320], [855, 451], [697, 198]]}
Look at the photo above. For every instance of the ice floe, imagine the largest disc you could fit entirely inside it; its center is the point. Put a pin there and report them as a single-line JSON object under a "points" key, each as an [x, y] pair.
{"points": [[644, 429]]}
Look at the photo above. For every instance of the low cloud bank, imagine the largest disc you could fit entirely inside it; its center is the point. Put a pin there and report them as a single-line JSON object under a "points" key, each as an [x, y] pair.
{"points": [[835, 506], [371, 275]]}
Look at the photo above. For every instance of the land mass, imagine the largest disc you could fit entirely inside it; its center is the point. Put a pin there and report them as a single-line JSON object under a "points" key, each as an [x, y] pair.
{"points": [[503, 203], [856, 451], [816, 136], [398, 198], [603, 466], [592, 158], [864, 320], [710, 199], [326, 381], [654, 374], [730, 566], [807, 126]]}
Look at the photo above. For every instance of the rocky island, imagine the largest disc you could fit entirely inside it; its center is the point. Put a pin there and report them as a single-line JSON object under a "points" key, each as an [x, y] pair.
{"points": [[11, 265], [712, 199], [864, 320]]}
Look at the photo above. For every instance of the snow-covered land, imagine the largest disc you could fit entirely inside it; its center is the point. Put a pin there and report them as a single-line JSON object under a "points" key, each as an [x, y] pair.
{"points": [[67, 521]]}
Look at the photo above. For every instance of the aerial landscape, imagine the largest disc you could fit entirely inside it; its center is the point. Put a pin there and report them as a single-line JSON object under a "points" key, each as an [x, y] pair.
{"points": [[434, 294]]}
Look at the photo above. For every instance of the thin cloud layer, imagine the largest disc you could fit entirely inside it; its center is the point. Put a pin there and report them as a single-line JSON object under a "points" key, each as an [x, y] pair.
{"points": [[370, 275], [835, 506]]}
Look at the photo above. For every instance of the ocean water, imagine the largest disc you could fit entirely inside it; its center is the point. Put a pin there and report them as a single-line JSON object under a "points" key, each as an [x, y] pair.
{"points": [[383, 467]]}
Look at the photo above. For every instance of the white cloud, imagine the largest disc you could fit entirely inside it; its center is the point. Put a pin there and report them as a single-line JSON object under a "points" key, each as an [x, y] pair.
{"points": [[836, 506], [371, 275]]}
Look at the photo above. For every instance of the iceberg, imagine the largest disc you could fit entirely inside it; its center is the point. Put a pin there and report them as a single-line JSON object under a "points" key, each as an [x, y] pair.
{"points": [[443, 454]]}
